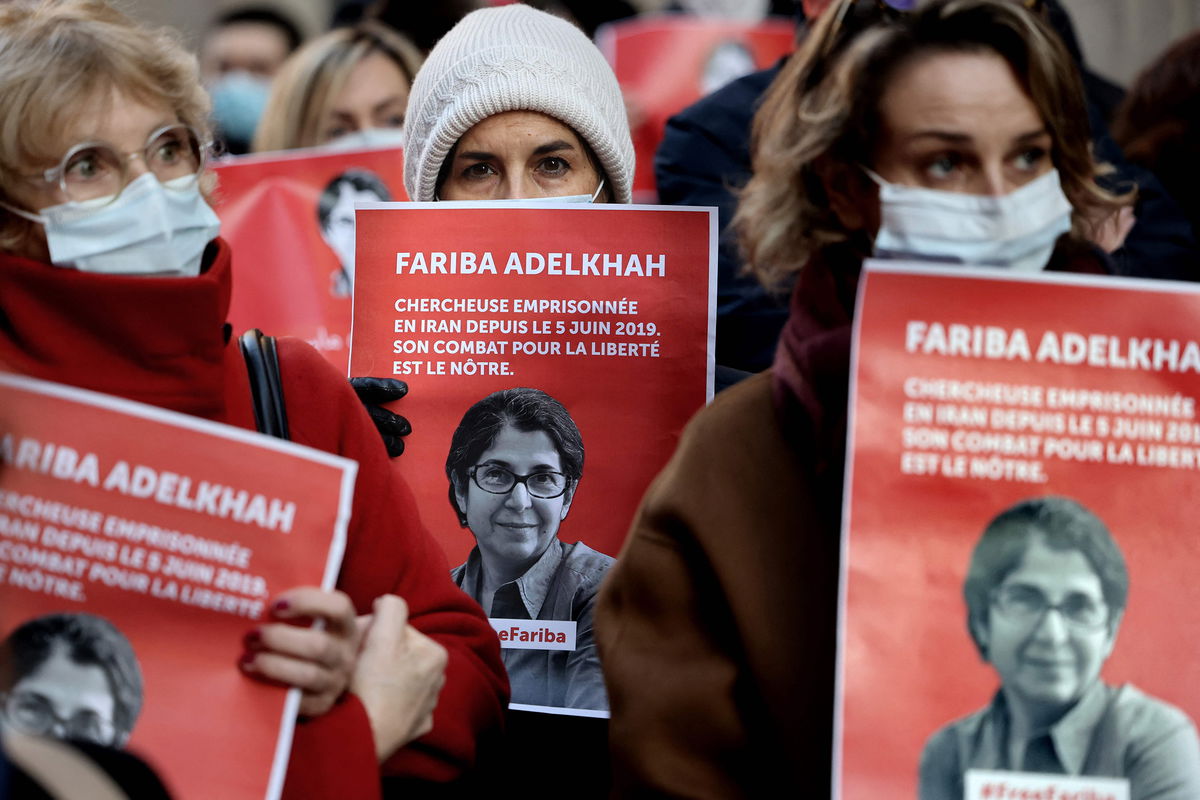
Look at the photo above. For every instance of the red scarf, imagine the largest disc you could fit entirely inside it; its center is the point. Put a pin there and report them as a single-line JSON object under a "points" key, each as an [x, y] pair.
{"points": [[155, 340]]}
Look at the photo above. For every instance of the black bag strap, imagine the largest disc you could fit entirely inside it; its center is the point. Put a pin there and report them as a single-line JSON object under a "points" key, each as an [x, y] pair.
{"points": [[262, 362]]}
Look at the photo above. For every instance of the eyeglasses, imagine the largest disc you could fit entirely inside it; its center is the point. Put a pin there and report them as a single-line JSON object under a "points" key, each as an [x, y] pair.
{"points": [[93, 170], [1027, 605], [33, 714], [495, 479]]}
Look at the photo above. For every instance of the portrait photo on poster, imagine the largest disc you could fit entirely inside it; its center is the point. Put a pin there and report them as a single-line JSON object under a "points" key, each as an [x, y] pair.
{"points": [[335, 215], [72, 676], [514, 466], [1046, 591]]}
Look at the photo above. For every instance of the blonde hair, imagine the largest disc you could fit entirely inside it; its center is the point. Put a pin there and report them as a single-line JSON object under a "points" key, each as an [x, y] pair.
{"points": [[57, 58], [306, 85], [822, 113]]}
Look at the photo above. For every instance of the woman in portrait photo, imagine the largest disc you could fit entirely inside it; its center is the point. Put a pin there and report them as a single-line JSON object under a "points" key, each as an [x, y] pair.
{"points": [[515, 462], [71, 676]]}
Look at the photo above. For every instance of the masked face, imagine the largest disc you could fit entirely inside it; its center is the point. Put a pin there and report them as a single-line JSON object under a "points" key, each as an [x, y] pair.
{"points": [[519, 155], [130, 205], [964, 167], [960, 122], [374, 96]]}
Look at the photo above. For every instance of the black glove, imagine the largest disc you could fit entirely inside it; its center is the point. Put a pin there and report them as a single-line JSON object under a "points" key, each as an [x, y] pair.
{"points": [[373, 392]]}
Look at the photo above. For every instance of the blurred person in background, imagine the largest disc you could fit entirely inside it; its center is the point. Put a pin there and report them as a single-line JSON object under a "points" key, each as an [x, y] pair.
{"points": [[347, 88], [113, 279], [424, 24], [240, 54], [717, 625], [1158, 123]]}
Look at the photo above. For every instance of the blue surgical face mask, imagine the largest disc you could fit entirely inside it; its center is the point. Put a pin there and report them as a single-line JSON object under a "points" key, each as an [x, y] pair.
{"points": [[368, 138], [150, 228], [238, 100], [1017, 230]]}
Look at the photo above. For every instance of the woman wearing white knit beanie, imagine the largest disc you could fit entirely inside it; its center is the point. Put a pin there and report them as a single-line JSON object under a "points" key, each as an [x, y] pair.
{"points": [[516, 103]]}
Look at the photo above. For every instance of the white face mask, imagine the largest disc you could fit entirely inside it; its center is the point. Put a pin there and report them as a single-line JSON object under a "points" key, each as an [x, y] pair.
{"points": [[533, 201], [1016, 230], [368, 139], [150, 229]]}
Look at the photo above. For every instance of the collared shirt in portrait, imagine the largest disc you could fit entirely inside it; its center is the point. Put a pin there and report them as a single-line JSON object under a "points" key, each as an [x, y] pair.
{"points": [[561, 585], [1117, 732]]}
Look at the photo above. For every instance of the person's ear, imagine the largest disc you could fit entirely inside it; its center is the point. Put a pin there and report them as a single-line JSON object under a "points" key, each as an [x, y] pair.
{"points": [[982, 636], [568, 496], [1114, 625], [852, 196], [459, 494]]}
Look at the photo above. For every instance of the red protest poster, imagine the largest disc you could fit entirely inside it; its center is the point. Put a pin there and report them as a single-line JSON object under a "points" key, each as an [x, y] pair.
{"points": [[290, 220], [1019, 561], [553, 355], [150, 543], [665, 63]]}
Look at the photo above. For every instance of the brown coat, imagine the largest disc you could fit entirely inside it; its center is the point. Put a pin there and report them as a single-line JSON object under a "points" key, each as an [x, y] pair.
{"points": [[717, 625]]}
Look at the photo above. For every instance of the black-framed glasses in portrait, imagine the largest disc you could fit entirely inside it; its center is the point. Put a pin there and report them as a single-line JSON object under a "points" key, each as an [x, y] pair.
{"points": [[31, 713], [495, 479], [1028, 605]]}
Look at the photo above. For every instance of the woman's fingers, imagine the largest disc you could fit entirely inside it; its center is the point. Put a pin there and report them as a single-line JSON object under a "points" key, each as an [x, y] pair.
{"points": [[310, 602], [306, 644], [309, 677], [319, 660], [398, 676]]}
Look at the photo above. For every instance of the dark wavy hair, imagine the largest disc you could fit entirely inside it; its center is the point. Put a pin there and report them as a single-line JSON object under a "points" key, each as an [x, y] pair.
{"points": [[524, 409], [87, 640], [1063, 524]]}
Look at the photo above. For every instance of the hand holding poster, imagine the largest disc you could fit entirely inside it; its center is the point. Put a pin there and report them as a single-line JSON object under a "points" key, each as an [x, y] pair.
{"points": [[290, 219], [529, 337], [153, 542], [1018, 572]]}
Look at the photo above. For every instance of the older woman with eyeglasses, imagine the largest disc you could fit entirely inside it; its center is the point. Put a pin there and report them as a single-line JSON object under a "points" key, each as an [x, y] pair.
{"points": [[112, 279], [955, 132]]}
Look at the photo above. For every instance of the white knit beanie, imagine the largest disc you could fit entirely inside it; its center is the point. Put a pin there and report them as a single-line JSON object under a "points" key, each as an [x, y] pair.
{"points": [[514, 58]]}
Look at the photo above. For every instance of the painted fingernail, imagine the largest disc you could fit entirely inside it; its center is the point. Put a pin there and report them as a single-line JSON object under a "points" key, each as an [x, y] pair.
{"points": [[281, 605], [252, 640], [246, 660]]}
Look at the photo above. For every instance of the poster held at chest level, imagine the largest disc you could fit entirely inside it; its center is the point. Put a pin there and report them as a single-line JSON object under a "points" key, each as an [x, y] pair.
{"points": [[289, 218], [1018, 573], [553, 356], [150, 543]]}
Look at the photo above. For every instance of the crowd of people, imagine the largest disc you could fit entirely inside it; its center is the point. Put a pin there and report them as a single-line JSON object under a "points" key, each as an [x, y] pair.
{"points": [[957, 131]]}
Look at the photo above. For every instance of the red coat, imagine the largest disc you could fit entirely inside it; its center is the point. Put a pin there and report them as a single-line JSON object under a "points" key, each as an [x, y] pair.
{"points": [[162, 341]]}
